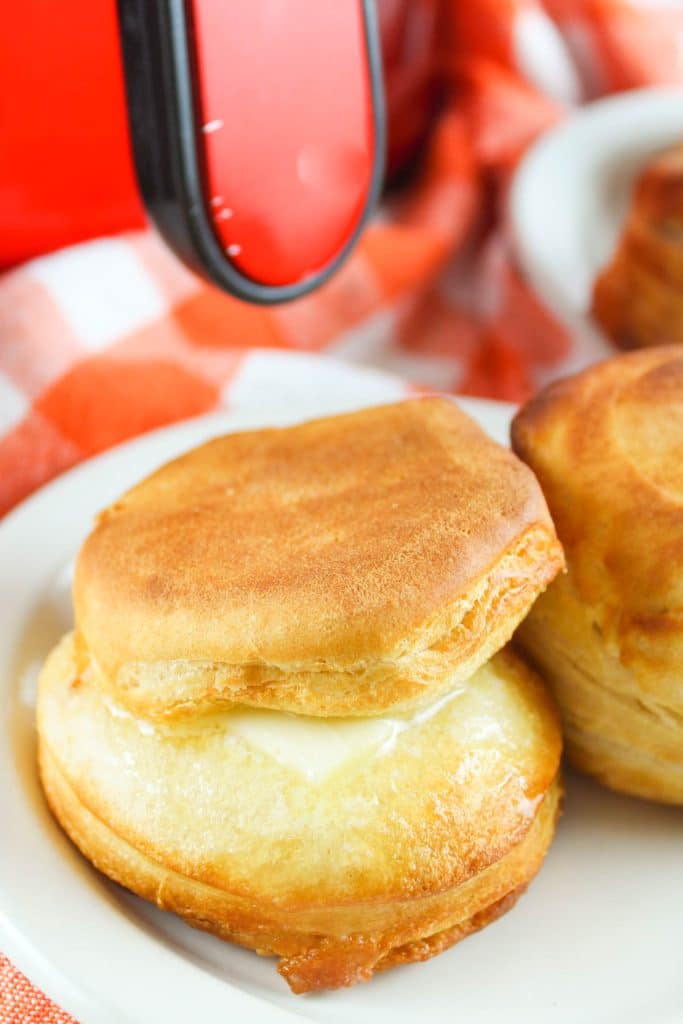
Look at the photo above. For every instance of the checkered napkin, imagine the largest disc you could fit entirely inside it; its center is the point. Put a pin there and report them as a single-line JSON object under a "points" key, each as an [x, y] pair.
{"points": [[105, 340]]}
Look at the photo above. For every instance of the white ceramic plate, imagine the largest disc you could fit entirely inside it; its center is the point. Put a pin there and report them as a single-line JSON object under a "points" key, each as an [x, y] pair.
{"points": [[571, 192], [596, 939]]}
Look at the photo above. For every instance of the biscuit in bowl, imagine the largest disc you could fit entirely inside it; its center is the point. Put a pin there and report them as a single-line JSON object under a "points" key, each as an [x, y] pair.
{"points": [[638, 297]]}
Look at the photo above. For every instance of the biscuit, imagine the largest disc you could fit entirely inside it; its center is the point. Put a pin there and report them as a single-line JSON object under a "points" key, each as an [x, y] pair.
{"points": [[397, 852], [607, 447], [342, 567]]}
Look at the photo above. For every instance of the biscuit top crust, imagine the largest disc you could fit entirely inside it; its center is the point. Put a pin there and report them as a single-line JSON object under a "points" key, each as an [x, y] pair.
{"points": [[607, 447], [333, 544]]}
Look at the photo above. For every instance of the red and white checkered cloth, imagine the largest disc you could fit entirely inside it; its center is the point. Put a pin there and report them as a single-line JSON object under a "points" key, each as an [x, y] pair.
{"points": [[105, 340]]}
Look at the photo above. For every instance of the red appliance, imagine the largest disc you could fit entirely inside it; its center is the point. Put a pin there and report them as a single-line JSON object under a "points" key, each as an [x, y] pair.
{"points": [[251, 131]]}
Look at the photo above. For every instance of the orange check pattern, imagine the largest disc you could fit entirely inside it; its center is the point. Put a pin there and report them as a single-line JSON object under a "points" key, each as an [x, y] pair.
{"points": [[103, 341]]}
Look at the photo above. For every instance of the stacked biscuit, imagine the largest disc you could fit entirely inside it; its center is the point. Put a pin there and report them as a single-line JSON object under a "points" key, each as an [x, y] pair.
{"points": [[638, 297], [282, 713]]}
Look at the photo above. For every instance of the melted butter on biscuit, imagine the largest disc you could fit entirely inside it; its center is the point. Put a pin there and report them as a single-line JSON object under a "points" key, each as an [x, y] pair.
{"points": [[315, 747], [478, 714]]}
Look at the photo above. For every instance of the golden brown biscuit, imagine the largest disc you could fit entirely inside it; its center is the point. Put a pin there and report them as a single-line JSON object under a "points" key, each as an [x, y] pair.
{"points": [[363, 565], [638, 297], [346, 566], [607, 447], [393, 854]]}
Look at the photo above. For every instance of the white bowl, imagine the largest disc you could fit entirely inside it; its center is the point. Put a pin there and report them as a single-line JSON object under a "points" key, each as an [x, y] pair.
{"points": [[571, 192]]}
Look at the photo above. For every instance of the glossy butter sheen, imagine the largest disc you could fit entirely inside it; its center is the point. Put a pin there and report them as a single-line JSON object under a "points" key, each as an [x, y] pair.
{"points": [[315, 747]]}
